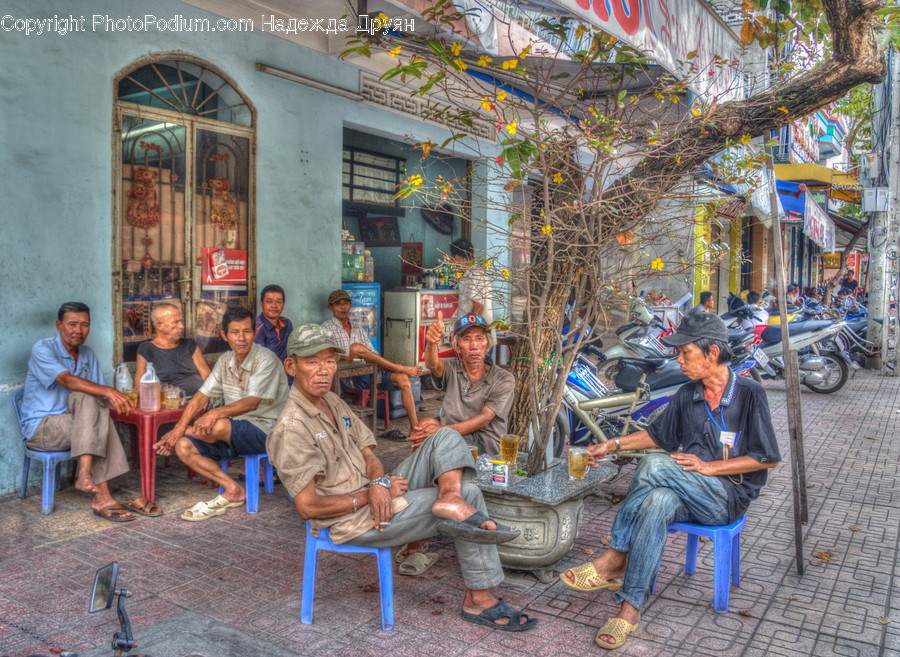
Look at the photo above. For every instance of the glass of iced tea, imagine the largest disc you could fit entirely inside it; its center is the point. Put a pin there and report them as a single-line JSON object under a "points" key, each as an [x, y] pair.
{"points": [[578, 462], [132, 394], [474, 450], [509, 448]]}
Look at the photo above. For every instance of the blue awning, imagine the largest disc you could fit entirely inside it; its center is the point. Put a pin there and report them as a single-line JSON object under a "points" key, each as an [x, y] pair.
{"points": [[792, 199]]}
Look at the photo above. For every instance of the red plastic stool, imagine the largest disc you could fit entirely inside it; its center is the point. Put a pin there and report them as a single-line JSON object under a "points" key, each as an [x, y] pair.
{"points": [[361, 398]]}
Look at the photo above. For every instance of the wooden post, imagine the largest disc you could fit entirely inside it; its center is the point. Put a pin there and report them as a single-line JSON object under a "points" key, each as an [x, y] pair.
{"points": [[791, 377]]}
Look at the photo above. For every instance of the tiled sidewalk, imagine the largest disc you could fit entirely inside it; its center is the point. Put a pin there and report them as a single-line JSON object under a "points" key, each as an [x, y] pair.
{"points": [[244, 571]]}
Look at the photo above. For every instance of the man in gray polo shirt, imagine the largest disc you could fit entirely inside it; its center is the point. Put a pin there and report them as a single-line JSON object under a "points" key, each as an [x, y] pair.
{"points": [[252, 382], [478, 395]]}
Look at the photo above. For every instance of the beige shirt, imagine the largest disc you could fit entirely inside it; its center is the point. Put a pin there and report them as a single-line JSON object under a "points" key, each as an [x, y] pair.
{"points": [[261, 375], [306, 447]]}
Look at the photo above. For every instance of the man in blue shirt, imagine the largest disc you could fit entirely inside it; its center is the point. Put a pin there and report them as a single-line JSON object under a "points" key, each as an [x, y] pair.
{"points": [[64, 407], [272, 330]]}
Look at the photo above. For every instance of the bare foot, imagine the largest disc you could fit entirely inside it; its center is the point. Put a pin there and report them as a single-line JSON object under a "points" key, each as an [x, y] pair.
{"points": [[86, 485], [412, 372], [451, 506]]}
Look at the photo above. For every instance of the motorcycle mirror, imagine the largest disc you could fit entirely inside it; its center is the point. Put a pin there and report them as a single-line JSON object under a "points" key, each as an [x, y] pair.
{"points": [[104, 589]]}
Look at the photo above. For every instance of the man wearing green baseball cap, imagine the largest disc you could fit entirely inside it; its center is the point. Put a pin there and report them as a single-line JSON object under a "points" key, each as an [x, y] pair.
{"points": [[325, 457]]}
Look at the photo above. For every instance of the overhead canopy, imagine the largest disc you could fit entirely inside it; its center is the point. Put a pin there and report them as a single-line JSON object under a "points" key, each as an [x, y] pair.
{"points": [[841, 186]]}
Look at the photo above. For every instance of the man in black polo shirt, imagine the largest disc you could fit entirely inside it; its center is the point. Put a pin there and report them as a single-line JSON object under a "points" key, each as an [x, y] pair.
{"points": [[719, 433]]}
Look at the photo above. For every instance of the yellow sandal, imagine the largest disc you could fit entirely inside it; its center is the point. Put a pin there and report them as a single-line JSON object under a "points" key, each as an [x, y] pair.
{"points": [[618, 629], [587, 579]]}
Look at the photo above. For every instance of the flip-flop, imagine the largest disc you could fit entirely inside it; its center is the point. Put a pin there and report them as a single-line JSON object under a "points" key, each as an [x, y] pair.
{"points": [[114, 513], [417, 563], [142, 506], [395, 435], [470, 530], [587, 579], [618, 629], [206, 510], [500, 610]]}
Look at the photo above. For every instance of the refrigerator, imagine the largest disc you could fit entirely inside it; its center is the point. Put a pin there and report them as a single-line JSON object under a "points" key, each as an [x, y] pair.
{"points": [[408, 312], [366, 309]]}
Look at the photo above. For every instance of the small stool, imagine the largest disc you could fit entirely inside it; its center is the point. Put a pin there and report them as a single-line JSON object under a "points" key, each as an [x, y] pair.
{"points": [[361, 398], [323, 542], [251, 475], [50, 460], [726, 556]]}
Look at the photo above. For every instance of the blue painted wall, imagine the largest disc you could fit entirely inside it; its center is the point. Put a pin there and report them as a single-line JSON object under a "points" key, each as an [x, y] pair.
{"points": [[56, 149]]}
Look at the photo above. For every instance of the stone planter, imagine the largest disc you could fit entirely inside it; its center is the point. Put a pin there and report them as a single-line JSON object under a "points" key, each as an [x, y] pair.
{"points": [[546, 508]]}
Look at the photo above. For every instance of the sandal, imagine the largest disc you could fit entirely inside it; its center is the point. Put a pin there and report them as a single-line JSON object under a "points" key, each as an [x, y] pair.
{"points": [[587, 579], [500, 610], [143, 506], [417, 563], [206, 510], [394, 434], [618, 629], [470, 530], [114, 513]]}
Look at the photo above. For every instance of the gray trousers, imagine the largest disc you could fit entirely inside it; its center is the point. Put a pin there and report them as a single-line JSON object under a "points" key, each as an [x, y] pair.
{"points": [[85, 428], [444, 451]]}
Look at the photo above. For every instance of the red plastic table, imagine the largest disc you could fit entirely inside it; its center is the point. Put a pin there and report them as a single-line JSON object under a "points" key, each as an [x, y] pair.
{"points": [[147, 426]]}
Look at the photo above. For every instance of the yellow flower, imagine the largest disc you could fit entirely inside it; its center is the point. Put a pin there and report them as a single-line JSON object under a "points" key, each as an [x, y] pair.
{"points": [[505, 273], [484, 60], [557, 178], [460, 64], [395, 51], [509, 64], [653, 142], [783, 109], [487, 264], [657, 264], [456, 48], [525, 51], [501, 95], [546, 230], [678, 159], [511, 127], [459, 274], [745, 139], [659, 95], [415, 181], [695, 112], [486, 105]]}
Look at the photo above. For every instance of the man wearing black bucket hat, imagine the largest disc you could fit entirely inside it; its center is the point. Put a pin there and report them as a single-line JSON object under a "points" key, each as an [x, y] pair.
{"points": [[718, 433]]}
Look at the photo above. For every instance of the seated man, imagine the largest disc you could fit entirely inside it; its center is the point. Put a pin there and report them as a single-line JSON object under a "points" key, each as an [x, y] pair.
{"points": [[759, 316], [272, 330], [254, 388], [353, 342], [325, 457], [706, 305], [64, 407], [719, 433], [177, 360], [477, 394]]}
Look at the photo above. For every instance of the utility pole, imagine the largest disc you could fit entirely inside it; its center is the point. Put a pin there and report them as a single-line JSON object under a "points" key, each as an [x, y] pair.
{"points": [[892, 248]]}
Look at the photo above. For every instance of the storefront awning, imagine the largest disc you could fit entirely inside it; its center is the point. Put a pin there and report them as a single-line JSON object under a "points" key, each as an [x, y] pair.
{"points": [[841, 186]]}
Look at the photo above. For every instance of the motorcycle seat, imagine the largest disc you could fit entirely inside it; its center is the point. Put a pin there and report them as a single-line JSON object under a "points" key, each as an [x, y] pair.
{"points": [[736, 335], [773, 333], [858, 325], [647, 365]]}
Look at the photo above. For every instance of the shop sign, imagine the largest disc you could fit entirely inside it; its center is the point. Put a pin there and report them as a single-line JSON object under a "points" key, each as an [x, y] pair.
{"points": [[224, 269], [831, 260], [804, 146], [851, 261], [678, 34], [817, 226]]}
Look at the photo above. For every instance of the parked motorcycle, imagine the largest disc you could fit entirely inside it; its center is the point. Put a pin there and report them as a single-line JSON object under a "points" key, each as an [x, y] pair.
{"points": [[823, 368], [639, 337]]}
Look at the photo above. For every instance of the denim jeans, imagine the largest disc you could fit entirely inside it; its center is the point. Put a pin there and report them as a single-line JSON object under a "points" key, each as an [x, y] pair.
{"points": [[660, 493]]}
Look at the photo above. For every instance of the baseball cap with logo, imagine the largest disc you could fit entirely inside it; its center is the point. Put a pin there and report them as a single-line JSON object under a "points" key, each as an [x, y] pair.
{"points": [[338, 295], [310, 339], [466, 322], [696, 327]]}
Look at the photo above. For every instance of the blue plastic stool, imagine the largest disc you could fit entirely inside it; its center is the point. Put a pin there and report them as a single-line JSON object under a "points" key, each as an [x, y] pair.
{"points": [[251, 473], [726, 556], [385, 575], [50, 460]]}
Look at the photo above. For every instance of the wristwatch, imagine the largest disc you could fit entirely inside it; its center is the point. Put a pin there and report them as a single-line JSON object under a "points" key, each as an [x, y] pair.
{"points": [[381, 481]]}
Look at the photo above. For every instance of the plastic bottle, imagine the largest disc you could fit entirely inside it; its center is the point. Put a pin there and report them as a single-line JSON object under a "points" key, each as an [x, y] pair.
{"points": [[370, 266], [150, 390], [123, 378]]}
